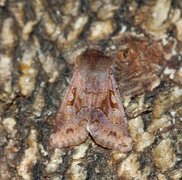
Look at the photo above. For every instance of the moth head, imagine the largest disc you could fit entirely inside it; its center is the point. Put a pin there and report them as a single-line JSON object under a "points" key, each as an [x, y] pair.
{"points": [[93, 59]]}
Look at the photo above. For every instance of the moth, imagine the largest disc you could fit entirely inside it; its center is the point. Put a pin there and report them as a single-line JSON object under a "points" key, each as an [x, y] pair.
{"points": [[92, 105]]}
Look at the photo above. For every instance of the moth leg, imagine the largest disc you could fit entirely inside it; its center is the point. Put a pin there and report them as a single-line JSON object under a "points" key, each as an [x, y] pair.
{"points": [[71, 132], [107, 134]]}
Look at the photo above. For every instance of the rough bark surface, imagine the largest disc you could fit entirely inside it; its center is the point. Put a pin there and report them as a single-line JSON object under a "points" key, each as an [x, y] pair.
{"points": [[39, 42]]}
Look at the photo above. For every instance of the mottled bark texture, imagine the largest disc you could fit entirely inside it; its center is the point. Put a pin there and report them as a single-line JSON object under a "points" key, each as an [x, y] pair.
{"points": [[39, 42]]}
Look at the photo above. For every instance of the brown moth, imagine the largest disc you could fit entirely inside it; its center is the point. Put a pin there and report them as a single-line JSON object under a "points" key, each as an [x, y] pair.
{"points": [[92, 105]]}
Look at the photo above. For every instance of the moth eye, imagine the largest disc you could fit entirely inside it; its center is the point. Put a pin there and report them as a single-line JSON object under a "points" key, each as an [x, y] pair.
{"points": [[123, 54], [126, 53]]}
